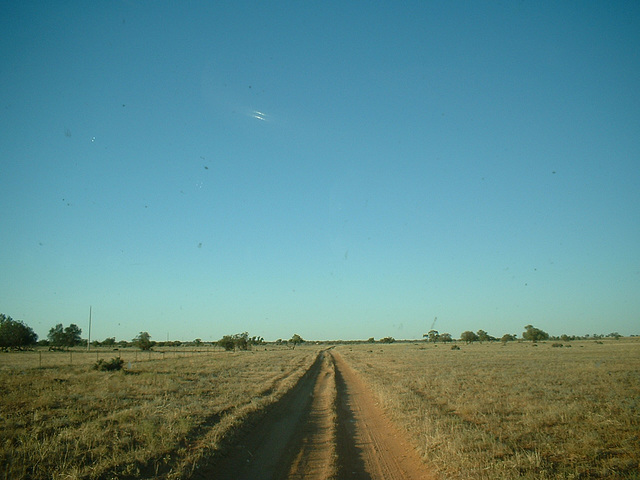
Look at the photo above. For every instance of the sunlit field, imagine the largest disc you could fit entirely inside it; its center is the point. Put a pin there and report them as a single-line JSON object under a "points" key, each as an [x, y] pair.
{"points": [[158, 417], [489, 411]]}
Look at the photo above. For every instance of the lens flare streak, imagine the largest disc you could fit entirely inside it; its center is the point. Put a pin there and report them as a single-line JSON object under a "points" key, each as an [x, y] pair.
{"points": [[259, 115]]}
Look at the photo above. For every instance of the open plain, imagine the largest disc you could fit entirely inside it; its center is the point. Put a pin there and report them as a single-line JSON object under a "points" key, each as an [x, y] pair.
{"points": [[362, 411]]}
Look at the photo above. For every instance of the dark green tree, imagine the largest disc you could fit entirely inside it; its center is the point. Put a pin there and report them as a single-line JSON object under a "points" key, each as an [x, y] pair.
{"points": [[534, 334], [15, 334], [483, 336], [445, 337], [143, 341], [433, 336], [296, 340], [72, 335], [241, 341], [227, 342], [468, 336], [56, 336], [507, 337], [60, 336]]}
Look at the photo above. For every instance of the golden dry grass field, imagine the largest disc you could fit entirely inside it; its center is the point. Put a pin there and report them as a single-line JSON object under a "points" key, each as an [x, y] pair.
{"points": [[489, 411], [486, 411], [157, 418]]}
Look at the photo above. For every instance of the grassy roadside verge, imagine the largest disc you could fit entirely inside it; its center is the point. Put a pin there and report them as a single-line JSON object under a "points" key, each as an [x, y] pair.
{"points": [[500, 412], [155, 419]]}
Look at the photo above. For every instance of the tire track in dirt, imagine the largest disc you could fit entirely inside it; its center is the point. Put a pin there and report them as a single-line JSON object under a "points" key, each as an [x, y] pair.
{"points": [[369, 445], [327, 427]]}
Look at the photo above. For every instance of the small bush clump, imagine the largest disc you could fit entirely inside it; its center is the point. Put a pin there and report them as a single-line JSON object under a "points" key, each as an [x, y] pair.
{"points": [[110, 365], [556, 345]]}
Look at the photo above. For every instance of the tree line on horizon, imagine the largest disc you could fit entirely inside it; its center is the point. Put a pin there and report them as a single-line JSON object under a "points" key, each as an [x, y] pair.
{"points": [[15, 334]]}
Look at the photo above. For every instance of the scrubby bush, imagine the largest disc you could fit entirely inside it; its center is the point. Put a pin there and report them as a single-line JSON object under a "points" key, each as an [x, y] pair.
{"points": [[109, 365]]}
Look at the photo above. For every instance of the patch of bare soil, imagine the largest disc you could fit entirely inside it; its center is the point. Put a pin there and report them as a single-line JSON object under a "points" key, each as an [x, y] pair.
{"points": [[328, 427]]}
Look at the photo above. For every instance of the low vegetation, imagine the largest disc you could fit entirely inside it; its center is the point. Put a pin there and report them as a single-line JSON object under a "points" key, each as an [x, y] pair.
{"points": [[504, 411], [148, 419], [112, 365]]}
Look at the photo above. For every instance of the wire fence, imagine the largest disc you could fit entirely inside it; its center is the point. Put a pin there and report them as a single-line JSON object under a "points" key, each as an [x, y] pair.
{"points": [[76, 357]]}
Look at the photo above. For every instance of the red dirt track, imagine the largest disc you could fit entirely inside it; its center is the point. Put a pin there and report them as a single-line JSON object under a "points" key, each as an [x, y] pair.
{"points": [[328, 427]]}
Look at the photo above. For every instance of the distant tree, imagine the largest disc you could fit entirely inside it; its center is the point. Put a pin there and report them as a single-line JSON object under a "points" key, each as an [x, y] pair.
{"points": [[507, 337], [371, 340], [143, 341], [241, 341], [109, 341], [432, 336], [72, 335], [197, 342], [256, 340], [615, 335], [227, 342], [296, 340], [446, 337], [534, 334], [387, 340], [15, 334], [56, 335], [468, 336], [65, 337], [483, 336]]}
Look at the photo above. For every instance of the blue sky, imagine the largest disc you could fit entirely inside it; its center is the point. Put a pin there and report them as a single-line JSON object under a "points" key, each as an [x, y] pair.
{"points": [[329, 169]]}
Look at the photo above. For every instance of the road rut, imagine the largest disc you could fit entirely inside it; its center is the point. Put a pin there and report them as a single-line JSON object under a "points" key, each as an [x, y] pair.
{"points": [[328, 427]]}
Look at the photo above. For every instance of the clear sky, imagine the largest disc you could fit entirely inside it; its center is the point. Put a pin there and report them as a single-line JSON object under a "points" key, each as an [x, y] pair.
{"points": [[338, 170]]}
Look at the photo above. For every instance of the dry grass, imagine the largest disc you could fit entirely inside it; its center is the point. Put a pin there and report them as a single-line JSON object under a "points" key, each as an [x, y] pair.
{"points": [[516, 411], [157, 418]]}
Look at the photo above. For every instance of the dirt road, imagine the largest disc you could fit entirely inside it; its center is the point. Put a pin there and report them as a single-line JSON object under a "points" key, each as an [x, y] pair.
{"points": [[327, 427]]}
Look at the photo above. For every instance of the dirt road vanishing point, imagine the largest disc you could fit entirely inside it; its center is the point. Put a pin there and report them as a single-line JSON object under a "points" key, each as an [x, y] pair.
{"points": [[328, 427]]}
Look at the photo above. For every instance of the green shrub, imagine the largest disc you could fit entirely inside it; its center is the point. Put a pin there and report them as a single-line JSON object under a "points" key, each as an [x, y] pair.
{"points": [[110, 365]]}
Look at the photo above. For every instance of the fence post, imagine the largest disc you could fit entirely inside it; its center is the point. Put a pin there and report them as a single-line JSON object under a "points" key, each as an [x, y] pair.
{"points": [[40, 359]]}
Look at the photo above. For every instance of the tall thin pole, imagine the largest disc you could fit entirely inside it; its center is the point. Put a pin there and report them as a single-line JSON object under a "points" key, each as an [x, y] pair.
{"points": [[89, 339]]}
